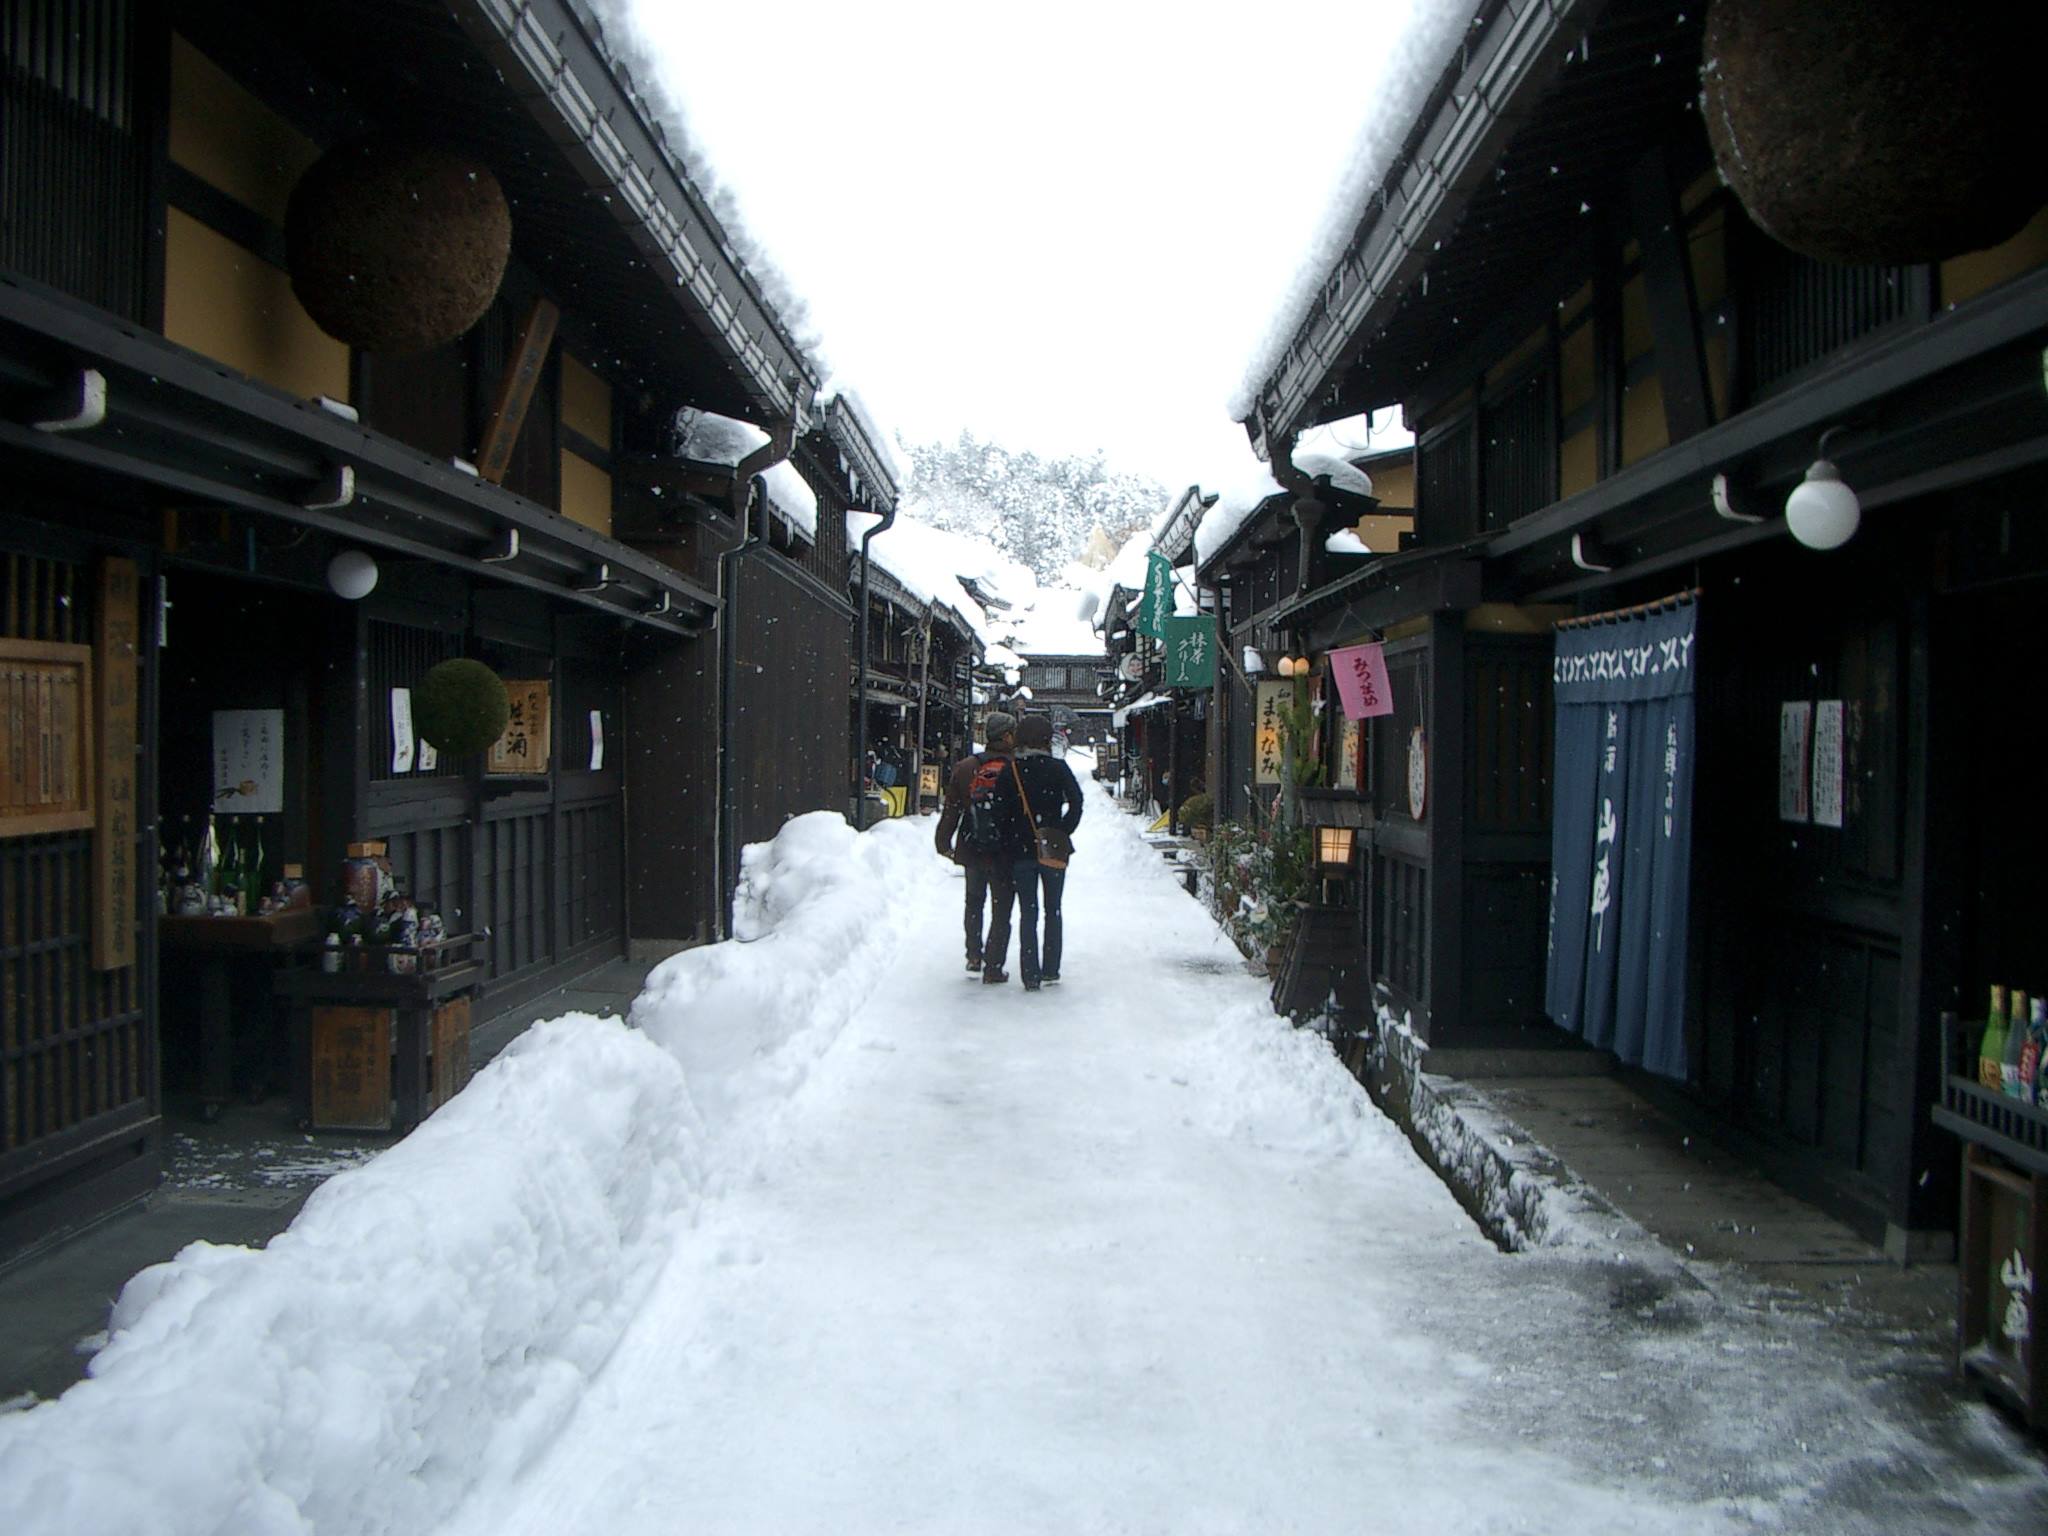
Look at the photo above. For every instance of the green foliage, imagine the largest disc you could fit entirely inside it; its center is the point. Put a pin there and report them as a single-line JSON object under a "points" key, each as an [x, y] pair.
{"points": [[1258, 878], [461, 707], [1198, 810], [1298, 729]]}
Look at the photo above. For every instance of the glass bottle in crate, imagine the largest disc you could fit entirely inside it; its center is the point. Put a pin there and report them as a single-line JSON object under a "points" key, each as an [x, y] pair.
{"points": [[2030, 1053], [1991, 1051]]}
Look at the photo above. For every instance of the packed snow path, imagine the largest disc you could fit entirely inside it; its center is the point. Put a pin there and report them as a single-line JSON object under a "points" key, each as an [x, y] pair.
{"points": [[1130, 1255]]}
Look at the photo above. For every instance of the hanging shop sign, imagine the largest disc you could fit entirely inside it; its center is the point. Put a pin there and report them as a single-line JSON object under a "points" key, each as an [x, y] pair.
{"points": [[1621, 833], [1156, 607], [1362, 682], [117, 715], [248, 761], [1190, 648], [524, 746], [404, 745], [1268, 752], [46, 763]]}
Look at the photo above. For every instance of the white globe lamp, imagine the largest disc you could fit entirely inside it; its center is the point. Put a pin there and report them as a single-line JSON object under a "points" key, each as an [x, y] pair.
{"points": [[352, 574], [1822, 512]]}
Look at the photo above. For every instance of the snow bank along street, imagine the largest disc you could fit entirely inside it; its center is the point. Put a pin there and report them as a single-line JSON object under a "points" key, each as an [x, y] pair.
{"points": [[837, 1239]]}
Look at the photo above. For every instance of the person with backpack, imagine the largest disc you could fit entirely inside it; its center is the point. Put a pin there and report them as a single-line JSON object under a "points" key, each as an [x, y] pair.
{"points": [[1038, 839], [987, 875]]}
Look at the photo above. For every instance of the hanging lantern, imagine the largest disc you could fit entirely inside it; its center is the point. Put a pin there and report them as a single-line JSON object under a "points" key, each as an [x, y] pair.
{"points": [[397, 245], [1889, 132]]}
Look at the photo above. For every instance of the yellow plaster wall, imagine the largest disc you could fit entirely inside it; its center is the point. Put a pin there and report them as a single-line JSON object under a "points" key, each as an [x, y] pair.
{"points": [[228, 138], [1394, 485], [586, 402], [1578, 462], [1643, 428], [1964, 277], [1529, 347], [586, 493], [237, 308], [1381, 533], [1578, 379]]}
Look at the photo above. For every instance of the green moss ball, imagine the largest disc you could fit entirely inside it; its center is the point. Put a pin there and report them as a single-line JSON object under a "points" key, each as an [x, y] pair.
{"points": [[460, 706]]}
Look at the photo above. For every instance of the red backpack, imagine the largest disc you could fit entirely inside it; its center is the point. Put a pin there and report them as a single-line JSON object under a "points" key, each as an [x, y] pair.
{"points": [[983, 828]]}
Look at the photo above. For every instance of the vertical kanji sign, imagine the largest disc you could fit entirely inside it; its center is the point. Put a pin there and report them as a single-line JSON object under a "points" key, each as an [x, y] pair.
{"points": [[1267, 752], [1190, 648], [114, 908], [1156, 608]]}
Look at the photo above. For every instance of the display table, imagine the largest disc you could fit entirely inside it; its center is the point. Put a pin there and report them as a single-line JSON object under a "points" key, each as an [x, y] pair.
{"points": [[2004, 1239], [217, 945], [382, 1040]]}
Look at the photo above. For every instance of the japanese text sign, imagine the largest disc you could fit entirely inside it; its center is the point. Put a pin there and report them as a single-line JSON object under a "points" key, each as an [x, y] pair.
{"points": [[1157, 606], [1267, 754], [1362, 683], [1190, 647]]}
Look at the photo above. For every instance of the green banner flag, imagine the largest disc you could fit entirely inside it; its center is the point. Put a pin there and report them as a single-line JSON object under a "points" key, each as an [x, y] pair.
{"points": [[1157, 605], [1191, 652]]}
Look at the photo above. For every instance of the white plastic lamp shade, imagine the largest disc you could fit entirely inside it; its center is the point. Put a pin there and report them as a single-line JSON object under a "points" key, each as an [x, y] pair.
{"points": [[1822, 512], [352, 574], [1254, 663]]}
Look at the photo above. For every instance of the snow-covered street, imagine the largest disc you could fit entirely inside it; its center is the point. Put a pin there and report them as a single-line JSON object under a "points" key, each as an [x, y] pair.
{"points": [[897, 1251]]}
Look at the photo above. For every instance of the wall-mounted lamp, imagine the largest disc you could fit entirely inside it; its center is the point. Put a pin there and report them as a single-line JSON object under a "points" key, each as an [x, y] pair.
{"points": [[1334, 847], [352, 574], [1293, 666], [1822, 512], [1724, 504]]}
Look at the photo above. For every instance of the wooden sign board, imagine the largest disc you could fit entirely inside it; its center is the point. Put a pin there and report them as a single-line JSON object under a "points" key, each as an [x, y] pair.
{"points": [[451, 1050], [116, 716], [352, 1069], [46, 760], [524, 746]]}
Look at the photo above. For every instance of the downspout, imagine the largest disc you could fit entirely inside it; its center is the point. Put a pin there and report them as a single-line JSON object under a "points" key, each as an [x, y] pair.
{"points": [[747, 493], [860, 680]]}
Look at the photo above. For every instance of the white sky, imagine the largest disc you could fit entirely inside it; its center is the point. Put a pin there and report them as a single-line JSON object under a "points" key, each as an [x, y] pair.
{"points": [[1064, 226]]}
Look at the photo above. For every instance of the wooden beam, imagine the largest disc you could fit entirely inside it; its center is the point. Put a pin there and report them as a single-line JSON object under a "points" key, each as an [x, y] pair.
{"points": [[117, 705], [1668, 285], [515, 390]]}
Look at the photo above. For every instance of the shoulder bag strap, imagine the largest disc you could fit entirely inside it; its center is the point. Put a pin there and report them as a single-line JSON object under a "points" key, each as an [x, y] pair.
{"points": [[1030, 820]]}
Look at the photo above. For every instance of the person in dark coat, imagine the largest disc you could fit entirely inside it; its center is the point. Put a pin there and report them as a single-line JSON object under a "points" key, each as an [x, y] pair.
{"points": [[1049, 787], [987, 874]]}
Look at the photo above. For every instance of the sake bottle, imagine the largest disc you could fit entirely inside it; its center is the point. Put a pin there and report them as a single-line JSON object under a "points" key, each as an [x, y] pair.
{"points": [[2015, 1043], [2030, 1053], [1991, 1052]]}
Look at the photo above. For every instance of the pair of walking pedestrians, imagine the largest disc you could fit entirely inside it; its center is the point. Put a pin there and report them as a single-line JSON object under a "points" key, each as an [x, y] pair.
{"points": [[1008, 811]]}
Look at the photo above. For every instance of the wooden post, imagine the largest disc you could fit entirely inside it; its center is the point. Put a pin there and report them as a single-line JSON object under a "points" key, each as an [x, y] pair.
{"points": [[117, 708], [515, 390]]}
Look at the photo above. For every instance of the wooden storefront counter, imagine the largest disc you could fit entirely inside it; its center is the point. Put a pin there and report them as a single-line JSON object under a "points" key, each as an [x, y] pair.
{"points": [[374, 1049], [217, 945]]}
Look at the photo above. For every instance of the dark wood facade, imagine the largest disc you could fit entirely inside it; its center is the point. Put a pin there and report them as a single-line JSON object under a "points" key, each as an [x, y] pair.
{"points": [[170, 415], [1629, 425]]}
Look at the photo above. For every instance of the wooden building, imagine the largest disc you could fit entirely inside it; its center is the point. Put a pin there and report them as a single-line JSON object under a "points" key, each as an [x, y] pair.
{"points": [[187, 453], [1617, 379]]}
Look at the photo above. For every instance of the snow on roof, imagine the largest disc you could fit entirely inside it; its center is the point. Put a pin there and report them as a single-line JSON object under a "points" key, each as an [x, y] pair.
{"points": [[1235, 504], [879, 439], [1344, 475], [1053, 626], [1425, 43], [709, 438], [933, 562]]}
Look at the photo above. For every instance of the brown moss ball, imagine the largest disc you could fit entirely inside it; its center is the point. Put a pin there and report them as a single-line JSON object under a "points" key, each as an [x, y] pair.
{"points": [[397, 245], [1888, 131]]}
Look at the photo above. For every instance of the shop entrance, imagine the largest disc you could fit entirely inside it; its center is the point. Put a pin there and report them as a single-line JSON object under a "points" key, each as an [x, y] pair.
{"points": [[252, 676]]}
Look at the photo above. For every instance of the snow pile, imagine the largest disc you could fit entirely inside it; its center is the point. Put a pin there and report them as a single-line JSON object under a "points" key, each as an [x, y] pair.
{"points": [[748, 1019], [1344, 475], [933, 563], [1345, 541], [428, 1322], [1234, 504]]}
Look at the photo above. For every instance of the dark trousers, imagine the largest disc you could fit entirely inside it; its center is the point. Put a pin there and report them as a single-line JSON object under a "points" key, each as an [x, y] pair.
{"points": [[1033, 959], [986, 879]]}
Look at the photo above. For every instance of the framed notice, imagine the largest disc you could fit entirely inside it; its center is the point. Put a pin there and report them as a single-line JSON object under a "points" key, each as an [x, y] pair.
{"points": [[1795, 747], [1828, 763], [46, 758], [524, 746], [248, 761]]}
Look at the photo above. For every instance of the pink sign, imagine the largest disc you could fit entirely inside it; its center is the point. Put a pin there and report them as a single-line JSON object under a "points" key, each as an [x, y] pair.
{"points": [[1361, 673]]}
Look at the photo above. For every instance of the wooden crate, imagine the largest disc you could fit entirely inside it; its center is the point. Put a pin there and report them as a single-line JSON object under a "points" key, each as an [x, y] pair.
{"points": [[351, 1050]]}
